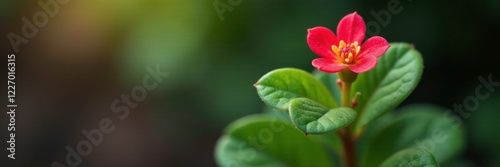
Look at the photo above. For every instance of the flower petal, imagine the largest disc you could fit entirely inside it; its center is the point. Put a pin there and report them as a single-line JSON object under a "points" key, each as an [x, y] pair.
{"points": [[320, 40], [327, 65], [373, 47], [351, 28], [364, 65]]}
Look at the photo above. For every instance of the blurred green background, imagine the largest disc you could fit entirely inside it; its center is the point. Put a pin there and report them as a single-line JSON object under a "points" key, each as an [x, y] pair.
{"points": [[91, 52]]}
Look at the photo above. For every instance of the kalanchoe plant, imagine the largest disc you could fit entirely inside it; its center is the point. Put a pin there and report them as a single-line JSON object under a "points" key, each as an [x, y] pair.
{"points": [[338, 109]]}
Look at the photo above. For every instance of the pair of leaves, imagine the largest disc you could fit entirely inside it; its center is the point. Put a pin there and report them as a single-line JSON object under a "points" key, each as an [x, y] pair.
{"points": [[382, 89], [402, 139], [312, 108]]}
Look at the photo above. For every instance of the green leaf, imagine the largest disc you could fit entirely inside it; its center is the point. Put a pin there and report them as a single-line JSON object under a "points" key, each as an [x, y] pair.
{"points": [[414, 157], [263, 140], [231, 151], [277, 88], [422, 126], [313, 118], [386, 86]]}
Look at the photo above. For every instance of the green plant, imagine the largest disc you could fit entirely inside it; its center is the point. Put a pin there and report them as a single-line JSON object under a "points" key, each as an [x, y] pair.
{"points": [[340, 114]]}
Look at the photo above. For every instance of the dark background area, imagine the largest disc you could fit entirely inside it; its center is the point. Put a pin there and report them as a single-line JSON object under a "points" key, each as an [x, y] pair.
{"points": [[92, 52]]}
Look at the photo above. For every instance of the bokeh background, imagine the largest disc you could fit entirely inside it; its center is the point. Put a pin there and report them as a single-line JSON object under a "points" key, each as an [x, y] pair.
{"points": [[91, 52]]}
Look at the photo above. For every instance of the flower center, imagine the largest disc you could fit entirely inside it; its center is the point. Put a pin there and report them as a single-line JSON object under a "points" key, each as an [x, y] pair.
{"points": [[346, 53]]}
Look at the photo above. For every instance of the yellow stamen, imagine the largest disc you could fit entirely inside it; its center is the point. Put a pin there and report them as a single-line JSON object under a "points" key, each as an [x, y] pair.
{"points": [[342, 44], [346, 53], [349, 59], [335, 50]]}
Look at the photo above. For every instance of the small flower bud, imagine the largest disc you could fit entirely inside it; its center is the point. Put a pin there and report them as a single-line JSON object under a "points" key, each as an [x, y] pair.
{"points": [[339, 82]]}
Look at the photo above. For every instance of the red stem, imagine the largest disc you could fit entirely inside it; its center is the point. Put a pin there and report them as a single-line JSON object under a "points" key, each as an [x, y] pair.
{"points": [[349, 151]]}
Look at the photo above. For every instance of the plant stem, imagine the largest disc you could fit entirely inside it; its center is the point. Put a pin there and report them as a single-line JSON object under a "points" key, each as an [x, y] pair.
{"points": [[348, 143], [346, 94], [349, 156]]}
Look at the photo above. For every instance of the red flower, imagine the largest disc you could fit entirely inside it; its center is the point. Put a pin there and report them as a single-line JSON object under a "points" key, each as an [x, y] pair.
{"points": [[347, 48]]}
